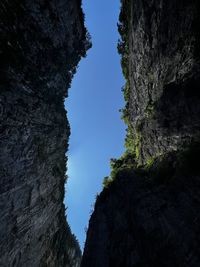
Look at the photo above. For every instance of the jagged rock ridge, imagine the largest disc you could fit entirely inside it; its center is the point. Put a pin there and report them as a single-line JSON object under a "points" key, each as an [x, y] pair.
{"points": [[147, 214], [41, 44]]}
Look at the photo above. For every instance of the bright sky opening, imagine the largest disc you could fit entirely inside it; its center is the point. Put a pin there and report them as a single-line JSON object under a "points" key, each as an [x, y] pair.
{"points": [[95, 97]]}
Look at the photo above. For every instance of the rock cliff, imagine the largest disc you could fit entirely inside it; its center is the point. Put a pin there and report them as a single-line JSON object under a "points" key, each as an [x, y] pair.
{"points": [[147, 214], [41, 44]]}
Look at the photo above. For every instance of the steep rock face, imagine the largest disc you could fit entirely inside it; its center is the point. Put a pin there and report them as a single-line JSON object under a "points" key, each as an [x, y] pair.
{"points": [[147, 215], [41, 44], [138, 222], [164, 75]]}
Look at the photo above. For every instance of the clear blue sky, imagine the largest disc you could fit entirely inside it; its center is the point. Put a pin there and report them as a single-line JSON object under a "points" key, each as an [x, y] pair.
{"points": [[97, 132]]}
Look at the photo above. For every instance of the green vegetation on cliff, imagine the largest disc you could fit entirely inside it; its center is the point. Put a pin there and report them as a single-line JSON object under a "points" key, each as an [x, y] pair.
{"points": [[123, 50], [128, 159], [132, 138], [161, 169]]}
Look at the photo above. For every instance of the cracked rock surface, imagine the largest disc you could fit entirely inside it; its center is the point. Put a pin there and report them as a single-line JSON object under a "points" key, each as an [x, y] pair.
{"points": [[41, 44]]}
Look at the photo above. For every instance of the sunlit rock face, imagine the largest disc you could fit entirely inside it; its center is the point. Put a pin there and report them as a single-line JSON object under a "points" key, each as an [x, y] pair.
{"points": [[148, 216], [41, 44]]}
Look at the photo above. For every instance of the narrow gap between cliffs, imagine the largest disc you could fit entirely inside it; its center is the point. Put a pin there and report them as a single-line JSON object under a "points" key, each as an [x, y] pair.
{"points": [[97, 132]]}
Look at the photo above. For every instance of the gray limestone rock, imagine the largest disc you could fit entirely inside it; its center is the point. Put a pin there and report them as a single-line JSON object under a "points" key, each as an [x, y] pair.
{"points": [[41, 44]]}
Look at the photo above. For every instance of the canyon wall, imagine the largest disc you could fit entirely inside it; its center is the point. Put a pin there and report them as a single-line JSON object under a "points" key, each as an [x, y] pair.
{"points": [[163, 63], [148, 212], [41, 44]]}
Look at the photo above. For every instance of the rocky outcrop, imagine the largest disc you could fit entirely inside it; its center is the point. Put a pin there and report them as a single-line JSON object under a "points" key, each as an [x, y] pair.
{"points": [[147, 214], [164, 75], [149, 217], [40, 47], [138, 222]]}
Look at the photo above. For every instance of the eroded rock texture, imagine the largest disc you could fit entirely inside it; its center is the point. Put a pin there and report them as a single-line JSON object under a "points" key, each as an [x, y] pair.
{"points": [[138, 222], [40, 46], [148, 216], [164, 74]]}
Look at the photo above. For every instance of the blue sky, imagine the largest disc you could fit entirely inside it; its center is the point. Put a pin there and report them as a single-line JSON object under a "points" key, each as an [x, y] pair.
{"points": [[97, 132]]}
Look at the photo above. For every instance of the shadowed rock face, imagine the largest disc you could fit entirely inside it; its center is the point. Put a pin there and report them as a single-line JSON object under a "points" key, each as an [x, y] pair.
{"points": [[164, 74], [148, 216], [138, 222], [41, 44]]}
